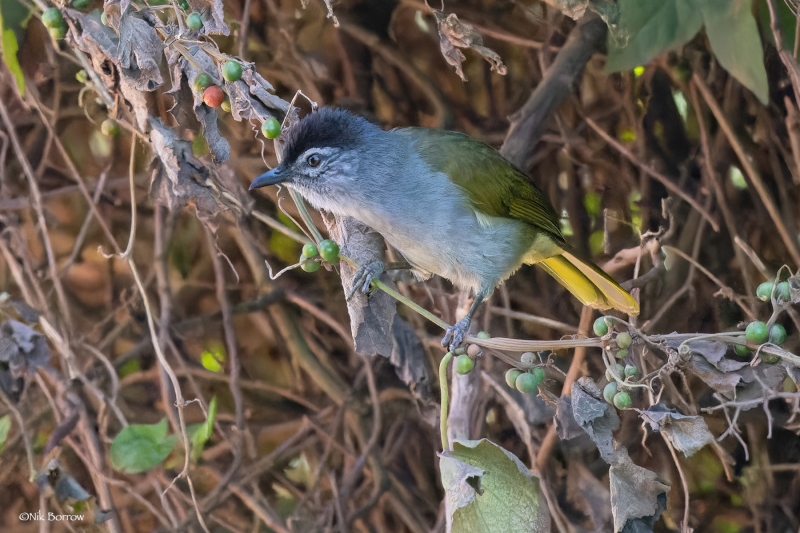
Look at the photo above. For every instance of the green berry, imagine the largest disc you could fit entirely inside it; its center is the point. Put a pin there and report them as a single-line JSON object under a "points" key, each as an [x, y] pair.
{"points": [[226, 105], [194, 22], [756, 332], [271, 128], [52, 18], [620, 372], [460, 351], [81, 4], [782, 291], [183, 4], [483, 335], [310, 266], [742, 350], [329, 251], [538, 374], [609, 391], [764, 291], [770, 358], [104, 19], [624, 339], [526, 382], [464, 364], [528, 358], [201, 81], [310, 250], [110, 127], [622, 354], [630, 371], [82, 76], [58, 32], [622, 400], [600, 327], [511, 377], [232, 70], [777, 334]]}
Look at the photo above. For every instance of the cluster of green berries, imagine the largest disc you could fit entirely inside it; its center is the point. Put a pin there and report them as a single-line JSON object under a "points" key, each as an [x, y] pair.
{"points": [[618, 398], [782, 291], [526, 381], [53, 20], [465, 357], [623, 339], [327, 250]]}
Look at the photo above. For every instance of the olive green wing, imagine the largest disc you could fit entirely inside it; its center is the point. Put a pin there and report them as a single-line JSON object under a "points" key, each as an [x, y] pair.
{"points": [[494, 186]]}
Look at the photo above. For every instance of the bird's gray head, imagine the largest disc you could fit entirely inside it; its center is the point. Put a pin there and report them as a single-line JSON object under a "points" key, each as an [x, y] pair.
{"points": [[320, 152]]}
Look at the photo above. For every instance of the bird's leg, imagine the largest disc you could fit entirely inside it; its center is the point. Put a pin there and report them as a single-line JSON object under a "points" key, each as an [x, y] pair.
{"points": [[454, 335], [363, 277]]}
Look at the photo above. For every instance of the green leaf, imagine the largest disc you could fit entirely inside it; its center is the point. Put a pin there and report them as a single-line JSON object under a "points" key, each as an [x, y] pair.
{"points": [[200, 433], [12, 17], [5, 427], [649, 27], [140, 447], [489, 490], [733, 33], [786, 23]]}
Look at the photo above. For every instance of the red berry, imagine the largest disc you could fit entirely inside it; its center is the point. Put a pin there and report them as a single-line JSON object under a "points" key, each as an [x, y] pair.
{"points": [[213, 96]]}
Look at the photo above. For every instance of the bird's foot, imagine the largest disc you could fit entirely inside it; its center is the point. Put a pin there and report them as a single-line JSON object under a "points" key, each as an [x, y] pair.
{"points": [[364, 276], [454, 335]]}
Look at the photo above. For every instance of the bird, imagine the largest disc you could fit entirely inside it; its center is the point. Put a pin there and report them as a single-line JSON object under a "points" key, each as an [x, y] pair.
{"points": [[450, 204]]}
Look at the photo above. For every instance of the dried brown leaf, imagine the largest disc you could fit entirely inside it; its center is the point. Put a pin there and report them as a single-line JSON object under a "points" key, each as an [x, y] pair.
{"points": [[139, 53], [687, 433], [454, 34]]}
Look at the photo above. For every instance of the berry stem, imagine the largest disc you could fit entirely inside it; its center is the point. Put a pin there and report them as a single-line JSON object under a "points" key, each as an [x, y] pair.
{"points": [[445, 399]]}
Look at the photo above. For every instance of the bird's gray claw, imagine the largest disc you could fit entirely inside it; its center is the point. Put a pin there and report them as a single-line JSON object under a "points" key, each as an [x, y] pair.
{"points": [[454, 335], [364, 276]]}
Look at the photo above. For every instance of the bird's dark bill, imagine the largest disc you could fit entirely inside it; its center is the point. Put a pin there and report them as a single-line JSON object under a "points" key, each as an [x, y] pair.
{"points": [[273, 177]]}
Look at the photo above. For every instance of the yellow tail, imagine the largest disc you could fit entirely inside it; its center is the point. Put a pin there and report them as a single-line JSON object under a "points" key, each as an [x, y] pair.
{"points": [[589, 284]]}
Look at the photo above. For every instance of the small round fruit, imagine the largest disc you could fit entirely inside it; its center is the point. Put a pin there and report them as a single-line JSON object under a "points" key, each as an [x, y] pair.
{"points": [[183, 4], [213, 96], [764, 291], [624, 340], [538, 374], [782, 291], [52, 18], [742, 350], [483, 335], [110, 127], [526, 382], [609, 391], [58, 33], [104, 19], [620, 372], [226, 105], [777, 334], [630, 371], [310, 266], [622, 400], [232, 70], [271, 128], [622, 354], [528, 358], [460, 351], [81, 4], [473, 350], [600, 327], [511, 377], [82, 76], [310, 250], [194, 22], [201, 81], [464, 364], [770, 358], [756, 332], [329, 251]]}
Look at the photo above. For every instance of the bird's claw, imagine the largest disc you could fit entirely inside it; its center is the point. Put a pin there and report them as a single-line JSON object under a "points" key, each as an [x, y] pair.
{"points": [[454, 335], [363, 277]]}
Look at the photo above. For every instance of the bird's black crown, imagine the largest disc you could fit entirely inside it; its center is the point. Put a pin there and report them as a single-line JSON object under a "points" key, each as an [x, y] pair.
{"points": [[327, 127]]}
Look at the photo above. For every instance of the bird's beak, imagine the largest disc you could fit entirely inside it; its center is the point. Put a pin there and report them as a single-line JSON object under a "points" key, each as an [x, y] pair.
{"points": [[273, 177]]}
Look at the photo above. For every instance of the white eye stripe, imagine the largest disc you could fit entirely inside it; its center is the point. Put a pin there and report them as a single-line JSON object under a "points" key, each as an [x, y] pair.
{"points": [[322, 152]]}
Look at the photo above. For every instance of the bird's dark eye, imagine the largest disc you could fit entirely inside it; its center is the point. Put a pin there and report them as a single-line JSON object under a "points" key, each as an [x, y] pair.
{"points": [[314, 160]]}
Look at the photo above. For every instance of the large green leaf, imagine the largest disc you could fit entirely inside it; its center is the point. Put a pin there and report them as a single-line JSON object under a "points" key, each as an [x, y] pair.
{"points": [[649, 27], [489, 490], [140, 447], [12, 19], [733, 33]]}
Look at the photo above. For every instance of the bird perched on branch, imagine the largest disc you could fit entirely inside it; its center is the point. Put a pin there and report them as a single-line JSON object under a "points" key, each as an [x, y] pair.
{"points": [[451, 205]]}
